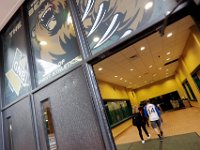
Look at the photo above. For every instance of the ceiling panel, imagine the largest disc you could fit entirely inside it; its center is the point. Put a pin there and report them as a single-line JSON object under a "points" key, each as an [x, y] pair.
{"points": [[148, 64]]}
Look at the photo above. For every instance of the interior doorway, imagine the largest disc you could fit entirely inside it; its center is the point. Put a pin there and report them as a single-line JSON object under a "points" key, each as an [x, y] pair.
{"points": [[155, 69]]}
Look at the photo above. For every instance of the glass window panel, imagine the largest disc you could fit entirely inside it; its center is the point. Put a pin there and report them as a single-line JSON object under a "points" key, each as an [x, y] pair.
{"points": [[196, 78], [189, 90], [16, 71], [48, 126], [53, 38], [108, 21], [117, 111]]}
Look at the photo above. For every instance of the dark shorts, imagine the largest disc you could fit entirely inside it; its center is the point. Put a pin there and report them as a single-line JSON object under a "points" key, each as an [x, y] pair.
{"points": [[155, 123]]}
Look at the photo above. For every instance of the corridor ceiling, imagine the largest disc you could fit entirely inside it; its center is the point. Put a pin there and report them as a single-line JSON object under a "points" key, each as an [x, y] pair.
{"points": [[7, 9], [144, 62]]}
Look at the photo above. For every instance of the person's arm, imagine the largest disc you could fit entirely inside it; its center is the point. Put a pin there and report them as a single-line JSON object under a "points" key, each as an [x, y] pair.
{"points": [[145, 112], [157, 110]]}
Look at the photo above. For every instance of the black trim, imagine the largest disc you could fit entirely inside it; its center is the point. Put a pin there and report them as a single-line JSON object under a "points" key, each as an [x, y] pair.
{"points": [[31, 61], [99, 106], [82, 41]]}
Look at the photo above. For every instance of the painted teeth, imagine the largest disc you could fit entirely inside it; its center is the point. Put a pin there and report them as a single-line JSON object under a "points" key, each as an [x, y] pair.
{"points": [[49, 9]]}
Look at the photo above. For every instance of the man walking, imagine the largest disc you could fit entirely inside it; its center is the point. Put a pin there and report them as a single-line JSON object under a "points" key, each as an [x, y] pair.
{"points": [[153, 113]]}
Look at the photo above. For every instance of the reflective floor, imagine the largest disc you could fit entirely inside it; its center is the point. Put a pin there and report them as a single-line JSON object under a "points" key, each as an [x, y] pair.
{"points": [[175, 123]]}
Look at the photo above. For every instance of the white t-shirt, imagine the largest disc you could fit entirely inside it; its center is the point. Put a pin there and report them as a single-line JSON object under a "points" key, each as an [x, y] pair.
{"points": [[152, 113]]}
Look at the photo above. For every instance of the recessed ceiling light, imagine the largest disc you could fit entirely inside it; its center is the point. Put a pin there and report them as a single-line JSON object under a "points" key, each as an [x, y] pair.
{"points": [[169, 34], [100, 69], [121, 78], [168, 53], [150, 66], [168, 58], [148, 5], [160, 68], [96, 39], [131, 69], [43, 43], [142, 48], [139, 76], [115, 76]]}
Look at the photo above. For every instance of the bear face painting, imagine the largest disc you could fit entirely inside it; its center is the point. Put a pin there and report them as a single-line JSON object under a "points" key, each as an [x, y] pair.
{"points": [[53, 37], [53, 26]]}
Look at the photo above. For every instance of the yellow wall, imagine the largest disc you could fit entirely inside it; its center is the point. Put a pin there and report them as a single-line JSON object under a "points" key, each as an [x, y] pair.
{"points": [[111, 91], [159, 88], [188, 63]]}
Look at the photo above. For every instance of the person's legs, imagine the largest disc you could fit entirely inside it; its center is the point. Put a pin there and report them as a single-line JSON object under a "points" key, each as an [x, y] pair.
{"points": [[140, 132], [154, 125], [145, 130], [158, 122]]}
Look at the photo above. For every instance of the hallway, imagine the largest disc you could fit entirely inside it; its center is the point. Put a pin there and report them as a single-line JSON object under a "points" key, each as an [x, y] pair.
{"points": [[175, 123]]}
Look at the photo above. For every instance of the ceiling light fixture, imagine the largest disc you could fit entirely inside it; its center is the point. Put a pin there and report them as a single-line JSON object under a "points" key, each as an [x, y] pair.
{"points": [[100, 69], [150, 66], [160, 68], [139, 76], [142, 48], [168, 53], [148, 5], [115, 76], [168, 58], [131, 69], [169, 34]]}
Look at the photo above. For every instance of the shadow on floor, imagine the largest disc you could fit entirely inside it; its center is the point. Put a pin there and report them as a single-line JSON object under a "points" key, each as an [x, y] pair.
{"points": [[189, 141]]}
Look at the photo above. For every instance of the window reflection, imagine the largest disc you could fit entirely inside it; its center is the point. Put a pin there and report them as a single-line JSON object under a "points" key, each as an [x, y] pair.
{"points": [[10, 133], [49, 127]]}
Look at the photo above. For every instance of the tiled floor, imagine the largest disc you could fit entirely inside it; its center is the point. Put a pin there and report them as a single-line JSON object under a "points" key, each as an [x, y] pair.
{"points": [[175, 122]]}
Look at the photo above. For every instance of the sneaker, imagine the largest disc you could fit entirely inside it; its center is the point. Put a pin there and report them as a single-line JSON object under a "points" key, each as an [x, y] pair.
{"points": [[161, 133], [149, 136], [143, 141], [160, 138]]}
